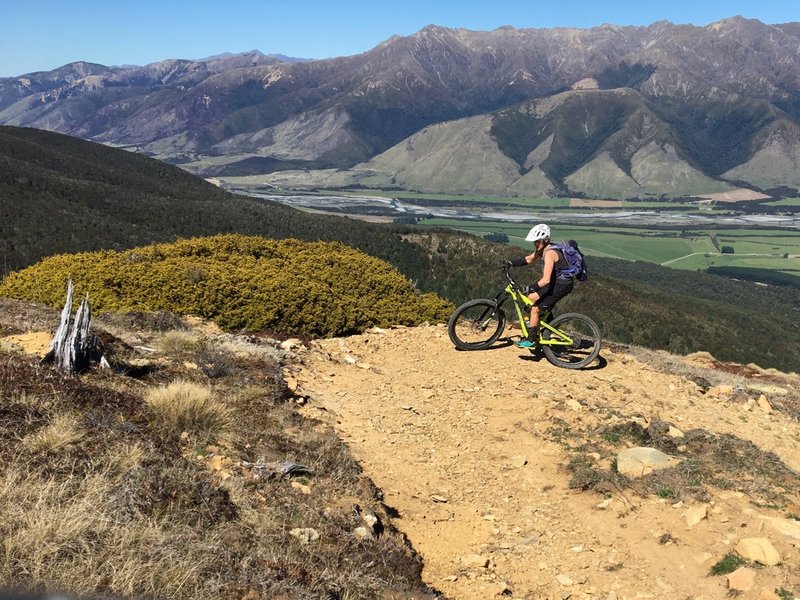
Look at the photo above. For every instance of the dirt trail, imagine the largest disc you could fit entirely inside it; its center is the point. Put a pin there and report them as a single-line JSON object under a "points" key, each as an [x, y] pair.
{"points": [[465, 447]]}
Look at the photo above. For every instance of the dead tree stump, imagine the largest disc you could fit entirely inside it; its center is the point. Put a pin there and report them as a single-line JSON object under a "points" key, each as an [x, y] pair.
{"points": [[73, 346]]}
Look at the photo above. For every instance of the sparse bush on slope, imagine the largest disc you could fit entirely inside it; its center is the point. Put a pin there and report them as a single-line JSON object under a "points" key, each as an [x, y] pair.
{"points": [[316, 289]]}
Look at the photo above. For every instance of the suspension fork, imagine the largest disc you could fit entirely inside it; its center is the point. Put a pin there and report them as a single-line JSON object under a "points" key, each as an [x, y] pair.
{"points": [[500, 299]]}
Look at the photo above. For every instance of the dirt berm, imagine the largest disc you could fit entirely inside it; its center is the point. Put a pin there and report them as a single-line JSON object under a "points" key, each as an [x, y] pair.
{"points": [[501, 468]]}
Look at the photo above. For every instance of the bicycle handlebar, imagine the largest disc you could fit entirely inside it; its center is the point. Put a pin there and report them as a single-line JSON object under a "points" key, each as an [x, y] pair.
{"points": [[505, 269]]}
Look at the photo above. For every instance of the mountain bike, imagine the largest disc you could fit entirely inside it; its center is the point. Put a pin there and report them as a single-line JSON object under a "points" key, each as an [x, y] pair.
{"points": [[570, 340]]}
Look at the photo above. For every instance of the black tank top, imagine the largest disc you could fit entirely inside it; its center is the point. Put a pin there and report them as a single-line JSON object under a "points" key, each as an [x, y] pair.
{"points": [[561, 263]]}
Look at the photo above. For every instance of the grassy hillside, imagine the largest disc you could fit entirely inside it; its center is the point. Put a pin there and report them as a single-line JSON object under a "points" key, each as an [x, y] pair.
{"points": [[62, 195]]}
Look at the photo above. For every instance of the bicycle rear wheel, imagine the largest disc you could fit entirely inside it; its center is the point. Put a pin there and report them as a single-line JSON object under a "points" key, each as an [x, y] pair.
{"points": [[583, 336], [476, 325]]}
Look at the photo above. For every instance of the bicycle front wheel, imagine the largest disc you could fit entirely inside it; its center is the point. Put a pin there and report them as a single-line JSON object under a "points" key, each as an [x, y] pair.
{"points": [[576, 344], [476, 324]]}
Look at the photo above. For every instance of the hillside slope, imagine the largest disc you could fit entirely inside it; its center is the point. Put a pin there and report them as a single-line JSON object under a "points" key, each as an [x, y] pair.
{"points": [[183, 471], [59, 194], [594, 143], [501, 467], [62, 194]]}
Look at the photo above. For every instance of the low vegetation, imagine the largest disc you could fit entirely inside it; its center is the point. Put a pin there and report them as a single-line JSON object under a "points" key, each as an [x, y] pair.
{"points": [[727, 564], [707, 460], [289, 287], [168, 484], [188, 409]]}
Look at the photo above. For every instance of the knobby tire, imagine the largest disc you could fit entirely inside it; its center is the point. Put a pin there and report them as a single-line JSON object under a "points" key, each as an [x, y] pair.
{"points": [[587, 341], [476, 325]]}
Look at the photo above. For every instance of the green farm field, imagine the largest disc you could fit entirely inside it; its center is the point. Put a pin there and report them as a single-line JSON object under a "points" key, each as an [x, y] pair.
{"points": [[785, 202], [695, 250]]}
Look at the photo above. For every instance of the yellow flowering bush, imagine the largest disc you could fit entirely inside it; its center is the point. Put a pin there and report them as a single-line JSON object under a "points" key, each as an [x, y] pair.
{"points": [[315, 289]]}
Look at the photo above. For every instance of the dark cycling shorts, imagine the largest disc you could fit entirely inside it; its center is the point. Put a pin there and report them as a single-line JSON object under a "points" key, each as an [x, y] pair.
{"points": [[553, 293]]}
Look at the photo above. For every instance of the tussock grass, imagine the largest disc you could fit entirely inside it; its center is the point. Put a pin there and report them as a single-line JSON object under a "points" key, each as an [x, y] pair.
{"points": [[34, 401], [63, 431], [179, 342], [122, 458], [183, 406], [68, 533]]}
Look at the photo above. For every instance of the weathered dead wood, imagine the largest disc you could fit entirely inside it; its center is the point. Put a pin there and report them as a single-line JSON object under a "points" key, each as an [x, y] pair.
{"points": [[73, 346], [62, 333]]}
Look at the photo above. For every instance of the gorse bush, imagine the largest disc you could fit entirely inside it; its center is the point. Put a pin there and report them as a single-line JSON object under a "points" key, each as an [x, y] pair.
{"points": [[315, 289]]}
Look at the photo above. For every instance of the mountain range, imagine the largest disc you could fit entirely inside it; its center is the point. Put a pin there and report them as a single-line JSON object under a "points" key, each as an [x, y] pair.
{"points": [[659, 111]]}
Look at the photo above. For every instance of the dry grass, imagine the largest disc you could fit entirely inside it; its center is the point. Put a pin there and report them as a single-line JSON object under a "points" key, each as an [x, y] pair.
{"points": [[188, 407], [66, 531], [678, 365], [18, 317], [63, 431], [101, 496], [179, 342], [123, 458]]}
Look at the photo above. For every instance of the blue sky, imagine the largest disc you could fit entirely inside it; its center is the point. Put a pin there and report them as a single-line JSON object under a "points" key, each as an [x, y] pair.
{"points": [[40, 35]]}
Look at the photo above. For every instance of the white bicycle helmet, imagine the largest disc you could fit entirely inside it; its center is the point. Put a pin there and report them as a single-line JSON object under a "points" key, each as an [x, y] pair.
{"points": [[538, 232]]}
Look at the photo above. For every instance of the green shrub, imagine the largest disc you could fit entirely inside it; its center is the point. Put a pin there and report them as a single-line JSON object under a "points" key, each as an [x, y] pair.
{"points": [[727, 564], [314, 289]]}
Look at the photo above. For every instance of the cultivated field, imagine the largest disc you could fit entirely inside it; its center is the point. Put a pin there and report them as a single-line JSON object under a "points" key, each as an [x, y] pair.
{"points": [[695, 249], [648, 231]]}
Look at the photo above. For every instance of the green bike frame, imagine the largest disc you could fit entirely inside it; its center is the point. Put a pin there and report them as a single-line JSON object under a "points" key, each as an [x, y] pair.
{"points": [[548, 335]]}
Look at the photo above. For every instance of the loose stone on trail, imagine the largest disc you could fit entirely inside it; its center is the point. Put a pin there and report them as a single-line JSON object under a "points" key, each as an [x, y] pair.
{"points": [[759, 550], [474, 561], [742, 579], [695, 514], [518, 461], [638, 462]]}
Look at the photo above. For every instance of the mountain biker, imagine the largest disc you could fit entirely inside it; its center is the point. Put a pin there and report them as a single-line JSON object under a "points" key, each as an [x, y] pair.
{"points": [[550, 288]]}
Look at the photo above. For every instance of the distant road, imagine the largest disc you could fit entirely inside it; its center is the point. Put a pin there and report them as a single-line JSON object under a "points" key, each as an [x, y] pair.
{"points": [[711, 254]]}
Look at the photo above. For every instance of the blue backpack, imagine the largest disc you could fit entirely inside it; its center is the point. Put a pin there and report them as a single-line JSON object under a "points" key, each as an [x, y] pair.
{"points": [[576, 264]]}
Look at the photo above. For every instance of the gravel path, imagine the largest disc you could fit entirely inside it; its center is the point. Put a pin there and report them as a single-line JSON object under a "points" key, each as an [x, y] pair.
{"points": [[468, 448]]}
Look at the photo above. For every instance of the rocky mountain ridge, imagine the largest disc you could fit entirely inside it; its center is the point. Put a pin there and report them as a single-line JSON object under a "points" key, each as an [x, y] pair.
{"points": [[725, 97]]}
